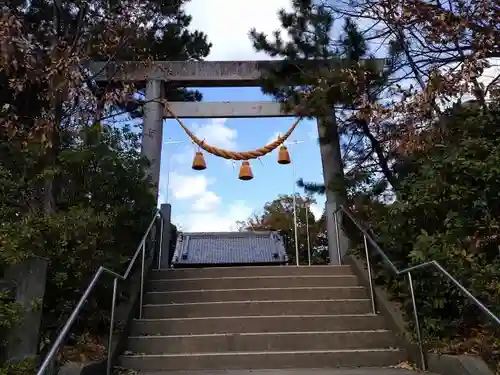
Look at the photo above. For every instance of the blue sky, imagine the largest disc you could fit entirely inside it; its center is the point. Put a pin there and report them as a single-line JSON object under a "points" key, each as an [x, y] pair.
{"points": [[214, 199]]}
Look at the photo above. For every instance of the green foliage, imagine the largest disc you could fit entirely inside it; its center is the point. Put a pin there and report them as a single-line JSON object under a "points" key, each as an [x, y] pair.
{"points": [[28, 366], [9, 316], [278, 216], [73, 189], [309, 29], [104, 205], [449, 211], [342, 73], [446, 198], [446, 194]]}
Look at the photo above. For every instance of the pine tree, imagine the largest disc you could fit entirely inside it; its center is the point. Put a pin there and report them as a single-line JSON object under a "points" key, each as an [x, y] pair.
{"points": [[340, 76]]}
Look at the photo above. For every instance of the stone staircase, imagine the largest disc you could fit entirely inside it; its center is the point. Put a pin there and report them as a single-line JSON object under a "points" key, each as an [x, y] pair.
{"points": [[268, 317]]}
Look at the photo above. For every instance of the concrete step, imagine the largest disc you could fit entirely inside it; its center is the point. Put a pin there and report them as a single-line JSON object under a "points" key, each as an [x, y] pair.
{"points": [[268, 341], [247, 324], [255, 271], [249, 282], [312, 371], [264, 360], [262, 294], [258, 308]]}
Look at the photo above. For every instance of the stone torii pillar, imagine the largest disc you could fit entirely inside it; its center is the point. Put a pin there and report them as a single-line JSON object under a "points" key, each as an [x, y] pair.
{"points": [[152, 132], [333, 173]]}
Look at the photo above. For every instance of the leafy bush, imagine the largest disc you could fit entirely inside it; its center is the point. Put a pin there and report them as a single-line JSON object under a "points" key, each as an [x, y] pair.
{"points": [[104, 205], [449, 211]]}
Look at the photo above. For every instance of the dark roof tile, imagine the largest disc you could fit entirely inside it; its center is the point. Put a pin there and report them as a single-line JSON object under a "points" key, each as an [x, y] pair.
{"points": [[229, 248]]}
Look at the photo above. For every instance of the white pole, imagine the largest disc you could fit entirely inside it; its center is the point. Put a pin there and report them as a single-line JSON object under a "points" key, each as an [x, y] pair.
{"points": [[295, 218], [307, 233], [295, 207]]}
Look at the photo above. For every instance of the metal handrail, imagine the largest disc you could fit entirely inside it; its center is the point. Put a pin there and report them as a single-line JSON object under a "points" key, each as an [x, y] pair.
{"points": [[368, 238], [141, 249]]}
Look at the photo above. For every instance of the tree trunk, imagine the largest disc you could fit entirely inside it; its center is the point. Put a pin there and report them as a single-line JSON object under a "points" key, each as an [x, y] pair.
{"points": [[382, 158]]}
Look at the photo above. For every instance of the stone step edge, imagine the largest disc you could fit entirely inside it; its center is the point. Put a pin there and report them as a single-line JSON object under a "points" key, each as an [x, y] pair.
{"points": [[259, 289], [255, 301], [251, 267], [261, 334], [339, 316], [257, 277], [384, 370], [207, 354]]}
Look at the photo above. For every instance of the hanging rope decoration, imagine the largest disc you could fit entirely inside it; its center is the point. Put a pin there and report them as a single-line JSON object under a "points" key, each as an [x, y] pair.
{"points": [[245, 171], [236, 155]]}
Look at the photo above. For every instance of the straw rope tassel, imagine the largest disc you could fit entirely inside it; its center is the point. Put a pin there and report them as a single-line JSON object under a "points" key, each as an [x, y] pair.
{"points": [[235, 155]]}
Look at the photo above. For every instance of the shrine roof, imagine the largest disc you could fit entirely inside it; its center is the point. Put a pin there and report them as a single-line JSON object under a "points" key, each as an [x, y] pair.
{"points": [[205, 248]]}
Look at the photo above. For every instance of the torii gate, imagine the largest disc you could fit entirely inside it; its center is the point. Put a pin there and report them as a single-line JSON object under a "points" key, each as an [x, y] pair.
{"points": [[222, 74]]}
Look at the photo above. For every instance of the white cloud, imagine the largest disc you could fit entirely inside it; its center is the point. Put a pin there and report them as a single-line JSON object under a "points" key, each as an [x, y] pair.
{"points": [[275, 137], [217, 221], [185, 187], [485, 79], [313, 132], [206, 213], [208, 201], [184, 157], [316, 210], [227, 23], [291, 144], [216, 133], [492, 72]]}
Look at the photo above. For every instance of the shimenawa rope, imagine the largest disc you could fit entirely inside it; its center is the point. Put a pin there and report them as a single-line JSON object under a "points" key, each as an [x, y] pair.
{"points": [[235, 155]]}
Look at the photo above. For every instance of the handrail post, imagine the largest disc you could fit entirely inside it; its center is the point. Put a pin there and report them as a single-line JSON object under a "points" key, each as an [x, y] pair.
{"points": [[369, 267], [50, 357], [141, 292], [65, 329], [337, 234], [161, 242], [423, 362], [111, 327]]}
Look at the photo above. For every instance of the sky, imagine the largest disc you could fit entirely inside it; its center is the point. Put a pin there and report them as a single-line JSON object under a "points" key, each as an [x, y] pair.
{"points": [[215, 199]]}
